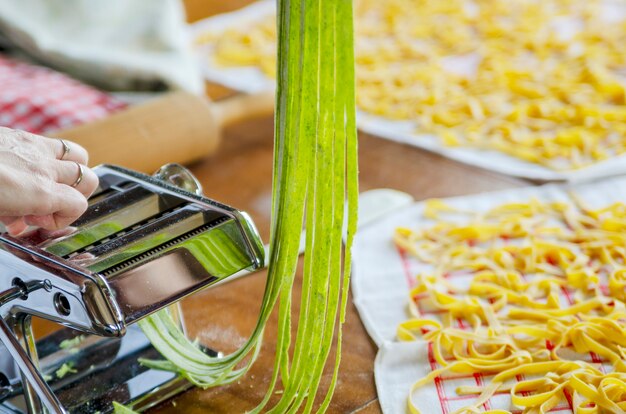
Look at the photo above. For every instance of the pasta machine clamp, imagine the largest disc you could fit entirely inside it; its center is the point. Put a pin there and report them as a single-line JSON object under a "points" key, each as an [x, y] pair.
{"points": [[144, 243]]}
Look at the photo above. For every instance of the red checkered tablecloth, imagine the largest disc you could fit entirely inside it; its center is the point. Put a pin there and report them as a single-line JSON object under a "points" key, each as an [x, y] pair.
{"points": [[39, 100]]}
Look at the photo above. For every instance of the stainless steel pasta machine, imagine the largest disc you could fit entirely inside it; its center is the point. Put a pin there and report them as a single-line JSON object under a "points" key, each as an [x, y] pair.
{"points": [[144, 243]]}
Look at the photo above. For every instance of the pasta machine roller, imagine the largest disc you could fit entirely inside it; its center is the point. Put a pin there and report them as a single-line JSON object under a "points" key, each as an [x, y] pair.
{"points": [[144, 243]]}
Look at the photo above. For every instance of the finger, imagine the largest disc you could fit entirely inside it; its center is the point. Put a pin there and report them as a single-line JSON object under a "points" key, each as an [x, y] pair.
{"points": [[55, 234], [16, 227], [69, 172], [50, 147], [45, 222], [68, 151], [67, 203], [72, 205], [6, 220], [83, 259], [52, 223]]}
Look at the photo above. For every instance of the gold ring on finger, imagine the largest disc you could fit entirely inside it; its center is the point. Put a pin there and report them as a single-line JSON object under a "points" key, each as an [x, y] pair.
{"points": [[80, 175], [66, 149]]}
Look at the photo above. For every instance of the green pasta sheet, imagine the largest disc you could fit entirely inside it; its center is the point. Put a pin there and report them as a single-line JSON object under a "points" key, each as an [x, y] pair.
{"points": [[120, 409], [314, 183]]}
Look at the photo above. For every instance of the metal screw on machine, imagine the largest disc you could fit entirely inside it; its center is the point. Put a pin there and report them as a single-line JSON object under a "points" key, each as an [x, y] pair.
{"points": [[144, 243]]}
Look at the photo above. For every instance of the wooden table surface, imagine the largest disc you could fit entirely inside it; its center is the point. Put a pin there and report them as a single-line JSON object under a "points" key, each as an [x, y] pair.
{"points": [[239, 174]]}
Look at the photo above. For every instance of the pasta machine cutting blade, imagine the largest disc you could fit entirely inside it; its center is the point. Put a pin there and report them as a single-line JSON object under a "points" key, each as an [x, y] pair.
{"points": [[144, 243]]}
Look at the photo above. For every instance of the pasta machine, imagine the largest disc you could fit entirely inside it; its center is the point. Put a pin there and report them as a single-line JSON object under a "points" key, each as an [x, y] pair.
{"points": [[144, 243]]}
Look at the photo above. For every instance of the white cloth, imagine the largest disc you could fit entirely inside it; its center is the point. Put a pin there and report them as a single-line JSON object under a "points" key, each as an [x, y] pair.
{"points": [[114, 44], [380, 287]]}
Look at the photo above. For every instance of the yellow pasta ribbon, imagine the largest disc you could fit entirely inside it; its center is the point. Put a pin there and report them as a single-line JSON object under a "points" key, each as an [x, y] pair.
{"points": [[538, 80], [521, 260]]}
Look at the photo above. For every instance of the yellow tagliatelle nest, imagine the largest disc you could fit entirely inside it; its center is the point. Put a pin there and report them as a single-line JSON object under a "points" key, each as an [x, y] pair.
{"points": [[545, 285], [541, 80]]}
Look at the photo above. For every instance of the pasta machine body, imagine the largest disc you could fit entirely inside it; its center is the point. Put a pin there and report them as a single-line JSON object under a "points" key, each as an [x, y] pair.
{"points": [[144, 243]]}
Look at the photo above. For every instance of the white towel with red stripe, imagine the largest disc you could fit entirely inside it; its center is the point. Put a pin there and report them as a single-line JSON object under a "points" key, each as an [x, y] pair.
{"points": [[381, 281]]}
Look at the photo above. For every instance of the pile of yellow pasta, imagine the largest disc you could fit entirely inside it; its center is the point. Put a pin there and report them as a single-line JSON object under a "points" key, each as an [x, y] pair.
{"points": [[541, 80], [546, 284]]}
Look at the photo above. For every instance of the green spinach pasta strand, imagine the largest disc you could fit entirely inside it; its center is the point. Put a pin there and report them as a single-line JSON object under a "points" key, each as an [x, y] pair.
{"points": [[315, 182]]}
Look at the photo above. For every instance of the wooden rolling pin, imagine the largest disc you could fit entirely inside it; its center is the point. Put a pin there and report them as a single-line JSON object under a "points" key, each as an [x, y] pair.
{"points": [[178, 127]]}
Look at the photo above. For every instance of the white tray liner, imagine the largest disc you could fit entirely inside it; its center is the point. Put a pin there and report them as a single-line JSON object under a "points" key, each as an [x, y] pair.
{"points": [[251, 79], [380, 290]]}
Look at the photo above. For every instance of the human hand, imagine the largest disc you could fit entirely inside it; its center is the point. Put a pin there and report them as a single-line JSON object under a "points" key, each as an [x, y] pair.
{"points": [[38, 181]]}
